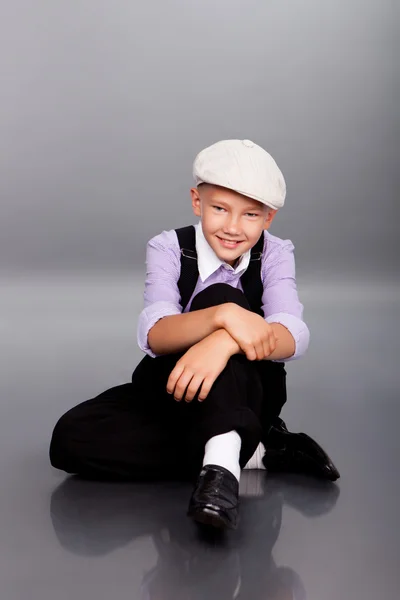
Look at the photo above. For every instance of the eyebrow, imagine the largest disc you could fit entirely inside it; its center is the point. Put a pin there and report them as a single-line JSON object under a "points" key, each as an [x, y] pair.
{"points": [[248, 208]]}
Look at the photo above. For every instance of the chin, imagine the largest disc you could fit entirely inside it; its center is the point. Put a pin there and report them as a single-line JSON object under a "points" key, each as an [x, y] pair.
{"points": [[227, 256]]}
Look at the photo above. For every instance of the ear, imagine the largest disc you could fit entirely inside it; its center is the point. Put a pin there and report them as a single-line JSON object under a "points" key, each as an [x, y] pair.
{"points": [[194, 192], [270, 217]]}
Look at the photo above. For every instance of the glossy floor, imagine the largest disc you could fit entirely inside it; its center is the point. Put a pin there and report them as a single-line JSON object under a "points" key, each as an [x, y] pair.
{"points": [[66, 340]]}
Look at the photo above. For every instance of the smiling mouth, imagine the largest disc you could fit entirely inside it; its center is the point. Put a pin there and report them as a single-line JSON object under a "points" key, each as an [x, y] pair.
{"points": [[229, 243]]}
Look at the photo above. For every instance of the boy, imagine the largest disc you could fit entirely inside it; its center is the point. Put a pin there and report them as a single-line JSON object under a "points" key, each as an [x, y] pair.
{"points": [[221, 317]]}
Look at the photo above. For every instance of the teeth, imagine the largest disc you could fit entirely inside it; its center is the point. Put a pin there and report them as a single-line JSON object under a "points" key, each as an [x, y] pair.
{"points": [[229, 242]]}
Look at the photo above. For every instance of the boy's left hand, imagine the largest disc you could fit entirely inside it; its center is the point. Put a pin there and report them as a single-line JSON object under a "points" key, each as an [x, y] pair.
{"points": [[200, 366]]}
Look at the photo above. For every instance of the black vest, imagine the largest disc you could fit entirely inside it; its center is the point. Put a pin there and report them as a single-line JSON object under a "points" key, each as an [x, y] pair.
{"points": [[250, 280]]}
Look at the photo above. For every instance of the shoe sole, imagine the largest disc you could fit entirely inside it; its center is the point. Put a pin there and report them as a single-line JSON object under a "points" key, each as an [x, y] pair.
{"points": [[212, 519]]}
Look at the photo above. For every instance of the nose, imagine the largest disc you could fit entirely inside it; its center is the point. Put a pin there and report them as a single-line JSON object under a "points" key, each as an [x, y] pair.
{"points": [[232, 225]]}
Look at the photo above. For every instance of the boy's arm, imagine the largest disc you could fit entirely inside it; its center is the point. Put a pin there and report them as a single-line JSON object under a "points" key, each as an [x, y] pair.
{"points": [[162, 327], [281, 305], [287, 336], [255, 337], [285, 343], [177, 333]]}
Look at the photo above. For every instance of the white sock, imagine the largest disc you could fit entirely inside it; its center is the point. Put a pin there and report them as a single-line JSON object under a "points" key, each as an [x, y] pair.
{"points": [[256, 460], [224, 450]]}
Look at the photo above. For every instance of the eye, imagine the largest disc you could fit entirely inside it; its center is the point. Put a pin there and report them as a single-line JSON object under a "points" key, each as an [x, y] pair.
{"points": [[218, 208], [252, 214]]}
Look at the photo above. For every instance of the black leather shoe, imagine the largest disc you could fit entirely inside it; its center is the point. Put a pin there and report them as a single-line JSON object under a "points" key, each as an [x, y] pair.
{"points": [[215, 499], [296, 453]]}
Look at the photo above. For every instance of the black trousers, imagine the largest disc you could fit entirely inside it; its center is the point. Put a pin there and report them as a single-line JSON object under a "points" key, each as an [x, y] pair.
{"points": [[138, 431]]}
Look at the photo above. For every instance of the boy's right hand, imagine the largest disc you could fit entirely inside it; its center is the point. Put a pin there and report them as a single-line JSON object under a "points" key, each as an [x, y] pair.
{"points": [[251, 331], [200, 366]]}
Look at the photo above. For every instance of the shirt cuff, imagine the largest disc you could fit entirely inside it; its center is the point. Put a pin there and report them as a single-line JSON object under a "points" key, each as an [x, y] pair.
{"points": [[297, 328], [148, 318]]}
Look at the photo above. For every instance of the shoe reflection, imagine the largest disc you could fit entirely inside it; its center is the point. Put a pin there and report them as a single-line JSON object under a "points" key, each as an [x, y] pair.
{"points": [[94, 518]]}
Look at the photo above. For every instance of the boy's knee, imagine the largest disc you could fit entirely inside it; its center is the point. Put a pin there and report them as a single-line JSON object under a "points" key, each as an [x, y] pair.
{"points": [[219, 293]]}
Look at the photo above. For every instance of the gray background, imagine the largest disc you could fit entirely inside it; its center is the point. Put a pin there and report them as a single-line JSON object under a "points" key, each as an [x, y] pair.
{"points": [[103, 106]]}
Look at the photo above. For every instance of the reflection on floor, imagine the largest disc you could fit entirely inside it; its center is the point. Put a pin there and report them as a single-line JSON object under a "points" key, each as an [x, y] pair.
{"points": [[93, 519]]}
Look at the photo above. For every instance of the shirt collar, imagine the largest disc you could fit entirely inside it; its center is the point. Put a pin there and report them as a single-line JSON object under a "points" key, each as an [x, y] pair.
{"points": [[208, 262]]}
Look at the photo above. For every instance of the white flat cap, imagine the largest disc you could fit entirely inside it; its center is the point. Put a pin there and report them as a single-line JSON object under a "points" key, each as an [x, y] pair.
{"points": [[244, 167]]}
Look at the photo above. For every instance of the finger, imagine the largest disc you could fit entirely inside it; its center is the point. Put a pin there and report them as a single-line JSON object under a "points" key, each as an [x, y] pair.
{"points": [[174, 376], [260, 350], [194, 387], [206, 387], [182, 384], [271, 338], [250, 352], [267, 349]]}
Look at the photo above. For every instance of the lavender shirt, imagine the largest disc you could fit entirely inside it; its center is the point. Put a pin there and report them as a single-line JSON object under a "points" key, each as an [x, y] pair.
{"points": [[280, 301]]}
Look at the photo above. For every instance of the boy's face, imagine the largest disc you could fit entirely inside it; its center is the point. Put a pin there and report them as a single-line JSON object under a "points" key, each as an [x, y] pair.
{"points": [[232, 223]]}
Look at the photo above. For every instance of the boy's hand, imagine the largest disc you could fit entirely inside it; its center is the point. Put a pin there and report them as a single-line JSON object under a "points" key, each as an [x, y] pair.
{"points": [[253, 334], [200, 366]]}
